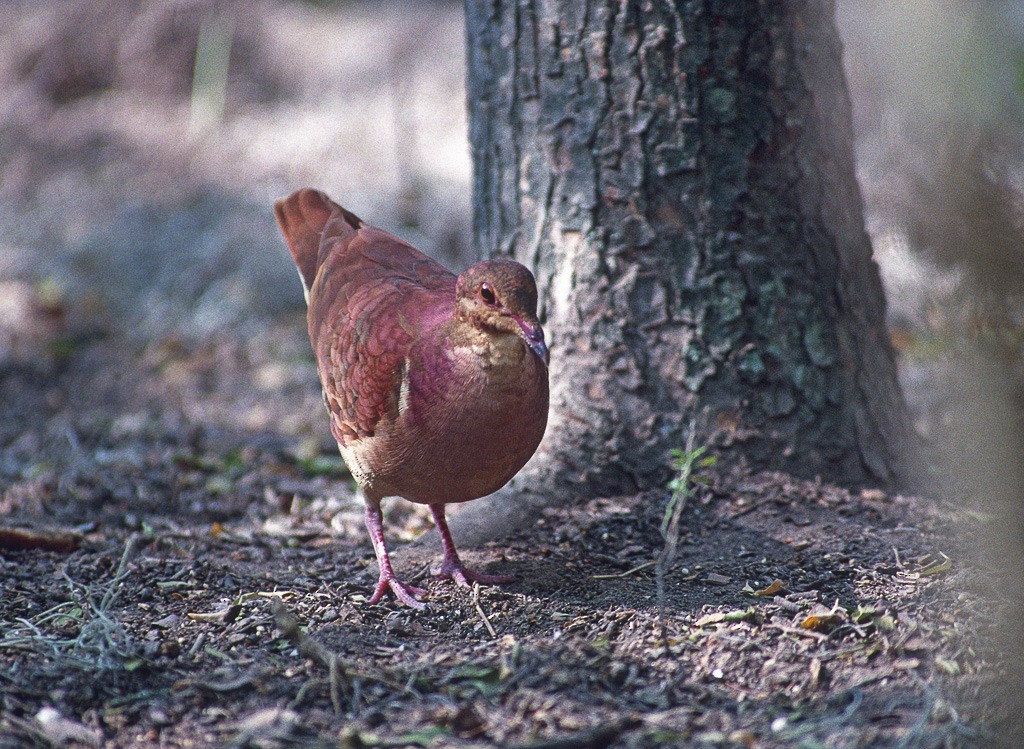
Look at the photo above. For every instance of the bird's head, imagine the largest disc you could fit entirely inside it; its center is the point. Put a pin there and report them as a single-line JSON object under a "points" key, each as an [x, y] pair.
{"points": [[500, 296]]}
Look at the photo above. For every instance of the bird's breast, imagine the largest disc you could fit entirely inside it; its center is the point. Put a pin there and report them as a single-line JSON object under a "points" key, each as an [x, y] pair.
{"points": [[467, 423], [495, 363]]}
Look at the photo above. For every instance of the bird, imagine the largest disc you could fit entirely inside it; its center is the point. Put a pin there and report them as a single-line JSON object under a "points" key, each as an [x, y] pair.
{"points": [[436, 385]]}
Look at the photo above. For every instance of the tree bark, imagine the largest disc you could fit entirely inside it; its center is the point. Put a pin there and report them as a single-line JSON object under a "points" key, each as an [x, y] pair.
{"points": [[680, 177]]}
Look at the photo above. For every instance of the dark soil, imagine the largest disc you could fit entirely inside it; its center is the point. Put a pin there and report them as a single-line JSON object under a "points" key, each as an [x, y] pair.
{"points": [[194, 478], [202, 482]]}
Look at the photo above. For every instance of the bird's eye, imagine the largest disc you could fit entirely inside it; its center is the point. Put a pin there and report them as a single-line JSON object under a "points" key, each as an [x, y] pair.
{"points": [[487, 294]]}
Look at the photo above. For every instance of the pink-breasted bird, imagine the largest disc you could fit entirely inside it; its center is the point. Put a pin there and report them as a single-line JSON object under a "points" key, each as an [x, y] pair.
{"points": [[437, 385]]}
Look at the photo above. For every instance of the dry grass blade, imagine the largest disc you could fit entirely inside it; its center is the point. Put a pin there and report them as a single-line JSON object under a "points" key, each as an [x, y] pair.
{"points": [[480, 610], [288, 623], [100, 642], [627, 573]]}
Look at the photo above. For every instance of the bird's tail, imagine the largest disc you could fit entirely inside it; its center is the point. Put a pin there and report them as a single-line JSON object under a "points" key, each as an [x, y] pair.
{"points": [[302, 217]]}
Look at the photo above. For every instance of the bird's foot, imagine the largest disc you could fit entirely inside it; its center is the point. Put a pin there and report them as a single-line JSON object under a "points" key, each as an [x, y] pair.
{"points": [[454, 569], [404, 592]]}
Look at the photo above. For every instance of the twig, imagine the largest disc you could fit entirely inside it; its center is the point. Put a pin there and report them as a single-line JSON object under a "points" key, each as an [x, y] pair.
{"points": [[197, 645], [338, 678], [797, 631], [343, 673], [751, 507], [288, 623], [310, 648], [627, 573], [21, 539], [113, 589], [480, 610]]}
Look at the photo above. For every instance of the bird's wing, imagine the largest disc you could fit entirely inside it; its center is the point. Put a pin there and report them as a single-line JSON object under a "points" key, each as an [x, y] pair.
{"points": [[369, 299]]}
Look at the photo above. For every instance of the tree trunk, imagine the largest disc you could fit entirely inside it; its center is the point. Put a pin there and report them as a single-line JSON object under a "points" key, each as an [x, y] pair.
{"points": [[680, 177]]}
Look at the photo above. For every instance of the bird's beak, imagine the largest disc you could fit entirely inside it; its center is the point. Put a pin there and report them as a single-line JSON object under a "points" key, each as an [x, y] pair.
{"points": [[533, 334]]}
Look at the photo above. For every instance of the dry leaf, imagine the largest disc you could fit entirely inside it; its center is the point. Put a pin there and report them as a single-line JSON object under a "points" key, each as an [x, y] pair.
{"points": [[725, 616], [227, 615], [822, 619], [776, 587]]}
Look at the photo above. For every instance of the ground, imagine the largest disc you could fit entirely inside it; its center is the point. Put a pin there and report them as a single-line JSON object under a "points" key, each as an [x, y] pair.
{"points": [[161, 428], [198, 502]]}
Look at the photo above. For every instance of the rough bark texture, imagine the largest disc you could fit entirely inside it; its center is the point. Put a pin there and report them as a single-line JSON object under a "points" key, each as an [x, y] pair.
{"points": [[680, 177]]}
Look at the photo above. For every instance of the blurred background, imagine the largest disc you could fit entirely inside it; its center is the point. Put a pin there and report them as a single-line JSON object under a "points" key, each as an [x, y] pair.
{"points": [[143, 143]]}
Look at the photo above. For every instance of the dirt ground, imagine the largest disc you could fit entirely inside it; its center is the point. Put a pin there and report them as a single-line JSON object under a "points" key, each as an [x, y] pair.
{"points": [[161, 428], [202, 489]]}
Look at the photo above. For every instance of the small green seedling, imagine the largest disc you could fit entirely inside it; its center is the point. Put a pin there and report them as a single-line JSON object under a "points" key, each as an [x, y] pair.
{"points": [[684, 463], [687, 465]]}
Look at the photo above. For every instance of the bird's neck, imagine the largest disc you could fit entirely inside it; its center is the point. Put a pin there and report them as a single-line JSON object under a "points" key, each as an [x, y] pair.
{"points": [[485, 349]]}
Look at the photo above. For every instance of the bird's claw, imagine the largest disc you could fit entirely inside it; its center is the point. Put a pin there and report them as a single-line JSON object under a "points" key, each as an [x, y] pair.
{"points": [[454, 570], [404, 592]]}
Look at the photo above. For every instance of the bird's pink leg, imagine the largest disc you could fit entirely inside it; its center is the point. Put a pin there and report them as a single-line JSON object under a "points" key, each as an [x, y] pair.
{"points": [[451, 565], [405, 593]]}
